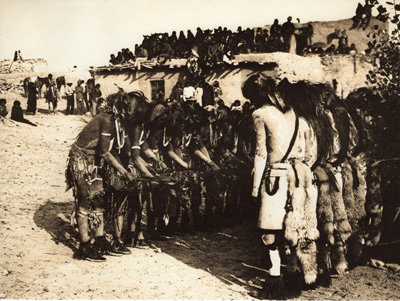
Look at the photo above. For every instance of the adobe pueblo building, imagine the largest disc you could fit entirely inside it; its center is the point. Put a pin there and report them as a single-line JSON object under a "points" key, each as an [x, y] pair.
{"points": [[349, 70]]}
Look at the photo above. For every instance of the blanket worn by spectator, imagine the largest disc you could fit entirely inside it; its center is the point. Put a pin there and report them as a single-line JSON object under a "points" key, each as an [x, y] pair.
{"points": [[18, 115]]}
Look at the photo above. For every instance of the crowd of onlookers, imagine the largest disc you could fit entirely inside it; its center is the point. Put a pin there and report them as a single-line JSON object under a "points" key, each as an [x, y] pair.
{"points": [[213, 44], [82, 99], [85, 97], [221, 44], [192, 91]]}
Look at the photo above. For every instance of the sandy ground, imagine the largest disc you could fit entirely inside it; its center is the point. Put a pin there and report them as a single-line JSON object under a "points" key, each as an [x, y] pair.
{"points": [[37, 241]]}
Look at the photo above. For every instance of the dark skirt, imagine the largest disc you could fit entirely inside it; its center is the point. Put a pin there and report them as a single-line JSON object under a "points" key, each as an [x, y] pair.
{"points": [[32, 102]]}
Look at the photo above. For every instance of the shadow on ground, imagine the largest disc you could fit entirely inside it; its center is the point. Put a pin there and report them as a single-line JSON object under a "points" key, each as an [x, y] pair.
{"points": [[54, 218], [233, 255], [230, 254]]}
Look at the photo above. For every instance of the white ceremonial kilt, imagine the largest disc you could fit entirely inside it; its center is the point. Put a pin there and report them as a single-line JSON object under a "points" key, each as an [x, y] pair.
{"points": [[272, 210]]}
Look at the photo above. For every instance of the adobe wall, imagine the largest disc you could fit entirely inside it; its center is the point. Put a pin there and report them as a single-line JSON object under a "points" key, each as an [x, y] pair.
{"points": [[349, 72], [324, 32], [230, 80], [130, 80]]}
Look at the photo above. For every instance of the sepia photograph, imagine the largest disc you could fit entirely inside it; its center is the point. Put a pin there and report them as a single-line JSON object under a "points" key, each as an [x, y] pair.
{"points": [[199, 150]]}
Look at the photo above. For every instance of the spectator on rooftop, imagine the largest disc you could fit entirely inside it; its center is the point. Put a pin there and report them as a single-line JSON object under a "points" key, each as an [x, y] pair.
{"points": [[343, 41], [264, 40], [366, 16], [146, 44], [218, 34], [275, 41], [353, 49], [142, 52], [199, 35], [331, 50], [212, 53], [258, 40], [225, 33], [220, 51], [181, 47], [288, 34], [276, 30], [136, 51], [130, 57], [165, 52], [189, 39], [309, 32], [308, 50], [173, 40], [228, 57], [119, 59], [113, 60], [250, 40]]}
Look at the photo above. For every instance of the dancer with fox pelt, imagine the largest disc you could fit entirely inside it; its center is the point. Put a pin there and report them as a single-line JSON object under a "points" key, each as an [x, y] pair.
{"points": [[286, 148], [338, 171]]}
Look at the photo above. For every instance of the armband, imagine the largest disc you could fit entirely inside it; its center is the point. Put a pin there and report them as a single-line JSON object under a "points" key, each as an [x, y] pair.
{"points": [[106, 134], [136, 147]]}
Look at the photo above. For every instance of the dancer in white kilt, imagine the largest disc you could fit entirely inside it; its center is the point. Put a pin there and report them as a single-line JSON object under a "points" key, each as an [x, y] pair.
{"points": [[286, 148]]}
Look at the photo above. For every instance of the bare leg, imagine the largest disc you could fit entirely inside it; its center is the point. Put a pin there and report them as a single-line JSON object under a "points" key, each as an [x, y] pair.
{"points": [[83, 226], [101, 244], [99, 230], [118, 245], [118, 224], [86, 250]]}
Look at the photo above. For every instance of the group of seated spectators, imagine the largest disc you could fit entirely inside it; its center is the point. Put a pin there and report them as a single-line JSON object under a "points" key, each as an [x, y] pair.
{"points": [[125, 56], [221, 44], [331, 50], [213, 44]]}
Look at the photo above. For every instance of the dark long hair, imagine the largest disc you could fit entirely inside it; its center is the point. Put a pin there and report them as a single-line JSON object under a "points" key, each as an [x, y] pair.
{"points": [[141, 112], [308, 101], [360, 99], [261, 90]]}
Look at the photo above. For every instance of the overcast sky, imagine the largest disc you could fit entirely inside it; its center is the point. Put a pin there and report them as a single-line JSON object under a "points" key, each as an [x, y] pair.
{"points": [[86, 32]]}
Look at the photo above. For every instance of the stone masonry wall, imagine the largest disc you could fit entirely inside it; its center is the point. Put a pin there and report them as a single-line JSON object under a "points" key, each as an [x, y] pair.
{"points": [[23, 66]]}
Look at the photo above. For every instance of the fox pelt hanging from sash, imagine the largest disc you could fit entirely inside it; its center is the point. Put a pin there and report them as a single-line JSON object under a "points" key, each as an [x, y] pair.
{"points": [[358, 222], [333, 222], [301, 221]]}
